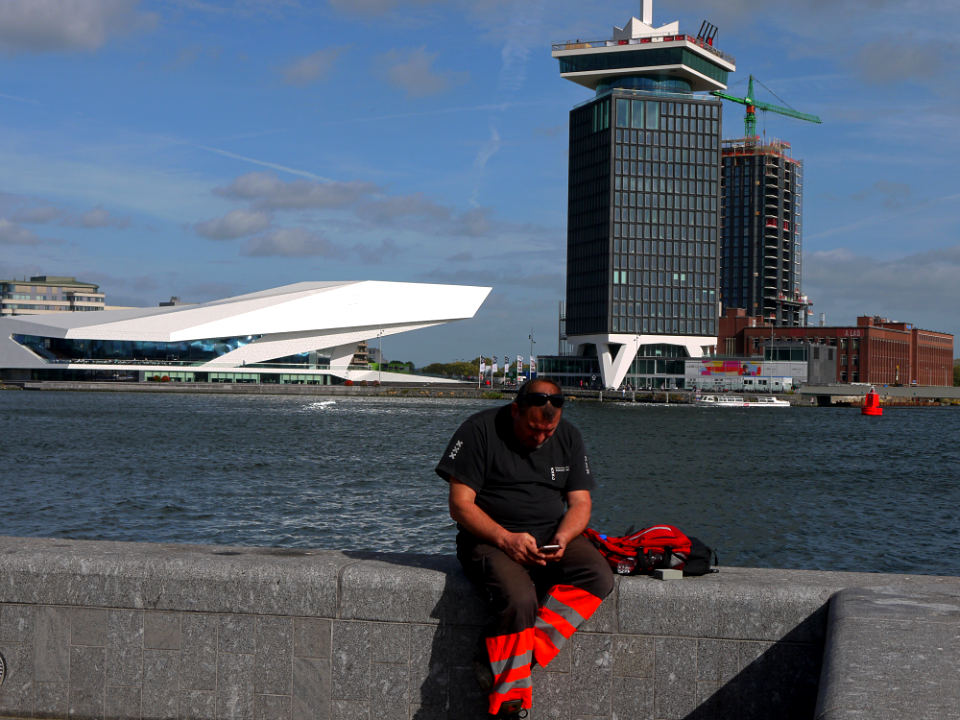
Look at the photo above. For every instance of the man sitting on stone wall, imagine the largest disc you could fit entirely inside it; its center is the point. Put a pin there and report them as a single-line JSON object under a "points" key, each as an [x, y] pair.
{"points": [[520, 494]]}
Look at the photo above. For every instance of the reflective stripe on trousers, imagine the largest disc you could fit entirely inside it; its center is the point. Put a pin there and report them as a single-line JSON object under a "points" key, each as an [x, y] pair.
{"points": [[510, 657], [565, 609]]}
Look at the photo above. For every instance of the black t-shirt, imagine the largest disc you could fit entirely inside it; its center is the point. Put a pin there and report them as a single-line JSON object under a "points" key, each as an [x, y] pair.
{"points": [[520, 488]]}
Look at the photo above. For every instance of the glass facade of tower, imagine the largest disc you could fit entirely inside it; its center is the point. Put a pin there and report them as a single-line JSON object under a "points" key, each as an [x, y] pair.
{"points": [[643, 222], [761, 234]]}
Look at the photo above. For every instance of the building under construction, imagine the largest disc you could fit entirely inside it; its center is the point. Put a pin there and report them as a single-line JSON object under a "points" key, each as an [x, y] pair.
{"points": [[761, 231]]}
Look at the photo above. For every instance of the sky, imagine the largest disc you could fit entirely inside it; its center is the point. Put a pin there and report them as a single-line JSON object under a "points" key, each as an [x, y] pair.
{"points": [[205, 149]]}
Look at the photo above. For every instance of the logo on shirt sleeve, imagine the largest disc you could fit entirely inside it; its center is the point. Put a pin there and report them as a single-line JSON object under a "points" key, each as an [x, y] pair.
{"points": [[456, 449]]}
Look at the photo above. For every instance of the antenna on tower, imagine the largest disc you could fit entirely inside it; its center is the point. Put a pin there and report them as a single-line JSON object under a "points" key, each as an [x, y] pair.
{"points": [[646, 12], [708, 31]]}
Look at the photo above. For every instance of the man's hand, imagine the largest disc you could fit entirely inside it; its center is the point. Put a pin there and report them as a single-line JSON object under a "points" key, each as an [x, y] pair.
{"points": [[522, 548], [556, 554], [574, 521]]}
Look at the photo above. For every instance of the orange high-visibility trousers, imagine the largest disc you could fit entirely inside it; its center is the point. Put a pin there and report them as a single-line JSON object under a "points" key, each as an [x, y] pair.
{"points": [[537, 608]]}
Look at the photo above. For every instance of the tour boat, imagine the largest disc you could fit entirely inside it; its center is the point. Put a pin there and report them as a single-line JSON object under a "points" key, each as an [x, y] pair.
{"points": [[738, 402]]}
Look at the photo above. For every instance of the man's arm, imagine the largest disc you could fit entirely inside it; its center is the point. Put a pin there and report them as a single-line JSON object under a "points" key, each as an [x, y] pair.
{"points": [[519, 547], [579, 506]]}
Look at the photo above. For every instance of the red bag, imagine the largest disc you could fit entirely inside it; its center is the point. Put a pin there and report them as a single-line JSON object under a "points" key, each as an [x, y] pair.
{"points": [[660, 546]]}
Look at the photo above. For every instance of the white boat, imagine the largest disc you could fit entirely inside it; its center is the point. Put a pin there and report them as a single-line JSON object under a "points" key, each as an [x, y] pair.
{"points": [[733, 401]]}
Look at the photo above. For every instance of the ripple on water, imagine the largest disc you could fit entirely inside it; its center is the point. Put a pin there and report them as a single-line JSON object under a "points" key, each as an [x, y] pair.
{"points": [[797, 488]]}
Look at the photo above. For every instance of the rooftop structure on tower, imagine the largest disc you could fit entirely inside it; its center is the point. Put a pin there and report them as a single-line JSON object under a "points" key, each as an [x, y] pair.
{"points": [[643, 228]]}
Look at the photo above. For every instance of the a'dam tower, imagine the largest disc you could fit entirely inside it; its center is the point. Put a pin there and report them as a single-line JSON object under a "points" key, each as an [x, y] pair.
{"points": [[643, 228]]}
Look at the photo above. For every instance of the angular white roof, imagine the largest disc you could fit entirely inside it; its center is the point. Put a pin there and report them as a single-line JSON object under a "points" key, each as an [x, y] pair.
{"points": [[292, 319]]}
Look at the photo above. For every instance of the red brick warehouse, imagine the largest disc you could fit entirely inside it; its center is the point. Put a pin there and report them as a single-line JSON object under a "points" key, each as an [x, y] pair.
{"points": [[876, 351]]}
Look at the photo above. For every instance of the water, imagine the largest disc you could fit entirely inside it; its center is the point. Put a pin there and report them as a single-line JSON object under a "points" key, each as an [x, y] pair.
{"points": [[795, 488]]}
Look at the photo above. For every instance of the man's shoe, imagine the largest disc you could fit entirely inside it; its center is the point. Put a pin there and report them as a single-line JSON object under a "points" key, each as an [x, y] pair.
{"points": [[482, 671], [511, 709]]}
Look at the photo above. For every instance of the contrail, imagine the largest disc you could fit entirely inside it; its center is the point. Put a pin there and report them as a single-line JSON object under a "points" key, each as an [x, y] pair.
{"points": [[274, 166]]}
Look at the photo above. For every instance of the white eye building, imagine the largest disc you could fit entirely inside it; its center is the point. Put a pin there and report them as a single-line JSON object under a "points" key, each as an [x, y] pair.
{"points": [[305, 333]]}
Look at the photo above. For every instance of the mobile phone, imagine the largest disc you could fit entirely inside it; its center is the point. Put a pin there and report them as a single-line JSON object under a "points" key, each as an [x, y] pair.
{"points": [[549, 548]]}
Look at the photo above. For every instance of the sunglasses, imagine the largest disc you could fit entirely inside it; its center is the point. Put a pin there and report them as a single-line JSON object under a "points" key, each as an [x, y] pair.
{"points": [[541, 399]]}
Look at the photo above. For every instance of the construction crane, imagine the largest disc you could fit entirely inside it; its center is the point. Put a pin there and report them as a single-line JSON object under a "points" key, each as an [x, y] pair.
{"points": [[750, 121]]}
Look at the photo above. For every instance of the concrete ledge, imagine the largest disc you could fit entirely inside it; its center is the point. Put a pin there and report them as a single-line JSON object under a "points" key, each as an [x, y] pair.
{"points": [[891, 653], [129, 630]]}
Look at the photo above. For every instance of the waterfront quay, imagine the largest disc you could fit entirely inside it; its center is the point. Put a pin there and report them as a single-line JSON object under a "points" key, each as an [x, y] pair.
{"points": [[807, 396], [140, 630]]}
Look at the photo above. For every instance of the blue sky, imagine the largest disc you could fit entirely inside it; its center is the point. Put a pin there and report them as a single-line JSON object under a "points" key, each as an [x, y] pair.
{"points": [[206, 149]]}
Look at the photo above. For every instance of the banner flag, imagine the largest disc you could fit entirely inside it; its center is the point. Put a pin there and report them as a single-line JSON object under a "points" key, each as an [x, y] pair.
{"points": [[493, 369], [483, 366], [519, 366], [533, 367]]}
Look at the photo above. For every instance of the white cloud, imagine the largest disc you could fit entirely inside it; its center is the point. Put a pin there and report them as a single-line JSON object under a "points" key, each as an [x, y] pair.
{"points": [[386, 251], [267, 191], [310, 68], [290, 242], [235, 224], [412, 70], [13, 234], [99, 217], [372, 8], [37, 26], [385, 211], [920, 288]]}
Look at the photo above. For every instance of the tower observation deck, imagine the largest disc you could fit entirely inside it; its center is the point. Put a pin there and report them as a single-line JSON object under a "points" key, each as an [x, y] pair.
{"points": [[643, 221]]}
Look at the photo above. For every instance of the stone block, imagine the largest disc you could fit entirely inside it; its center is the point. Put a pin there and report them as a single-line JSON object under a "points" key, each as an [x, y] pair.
{"points": [[604, 620], [17, 623], [717, 660], [274, 656], [632, 698], [198, 656], [389, 691], [122, 703], [433, 591], [124, 648], [561, 663], [591, 675], [197, 705], [311, 638], [237, 634], [271, 707], [633, 656], [675, 679], [51, 700], [343, 710], [910, 668], [389, 643], [88, 669], [429, 665], [350, 661], [551, 695], [235, 686], [779, 679], [293, 582], [686, 609], [16, 693], [765, 613], [52, 645], [311, 689], [466, 702], [88, 626], [161, 630], [161, 683]]}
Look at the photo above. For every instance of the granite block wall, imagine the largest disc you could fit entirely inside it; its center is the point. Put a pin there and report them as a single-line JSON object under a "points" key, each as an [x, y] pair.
{"points": [[131, 631]]}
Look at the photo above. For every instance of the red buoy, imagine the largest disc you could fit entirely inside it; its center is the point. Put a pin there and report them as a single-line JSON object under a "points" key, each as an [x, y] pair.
{"points": [[871, 404]]}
